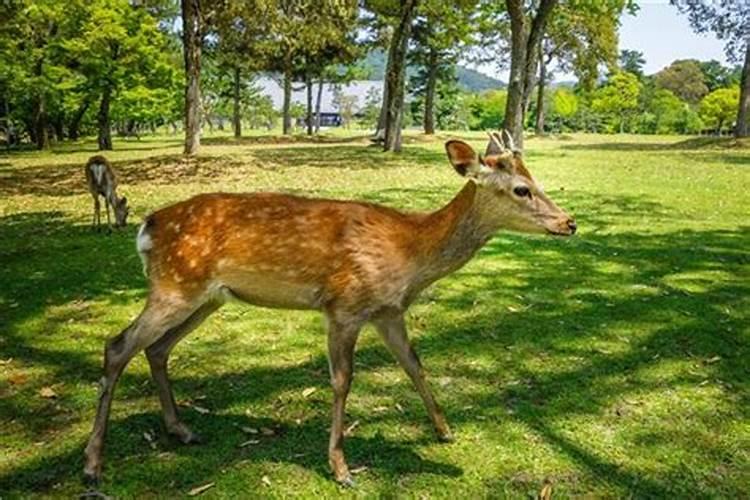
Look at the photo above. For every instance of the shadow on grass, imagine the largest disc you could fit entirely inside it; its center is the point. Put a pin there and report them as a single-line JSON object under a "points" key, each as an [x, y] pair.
{"points": [[699, 144], [68, 179], [579, 292]]}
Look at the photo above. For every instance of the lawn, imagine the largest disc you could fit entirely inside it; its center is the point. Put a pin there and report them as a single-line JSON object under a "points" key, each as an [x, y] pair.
{"points": [[614, 363]]}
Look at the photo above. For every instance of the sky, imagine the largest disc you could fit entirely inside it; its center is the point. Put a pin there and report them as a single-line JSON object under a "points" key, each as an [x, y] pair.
{"points": [[661, 33]]}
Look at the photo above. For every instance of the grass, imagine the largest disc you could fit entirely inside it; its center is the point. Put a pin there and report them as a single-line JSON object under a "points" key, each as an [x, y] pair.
{"points": [[611, 364]]}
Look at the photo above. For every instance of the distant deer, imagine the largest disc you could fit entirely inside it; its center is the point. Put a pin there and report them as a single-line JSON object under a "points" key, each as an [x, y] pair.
{"points": [[102, 182], [355, 262]]}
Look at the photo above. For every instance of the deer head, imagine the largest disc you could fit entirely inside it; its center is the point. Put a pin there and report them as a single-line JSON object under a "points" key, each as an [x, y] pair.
{"points": [[121, 211], [510, 196]]}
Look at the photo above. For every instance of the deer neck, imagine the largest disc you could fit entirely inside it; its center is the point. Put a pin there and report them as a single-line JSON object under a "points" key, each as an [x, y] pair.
{"points": [[452, 235]]}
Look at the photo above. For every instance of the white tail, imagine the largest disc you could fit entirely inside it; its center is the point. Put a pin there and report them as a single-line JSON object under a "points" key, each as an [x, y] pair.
{"points": [[102, 181], [355, 262]]}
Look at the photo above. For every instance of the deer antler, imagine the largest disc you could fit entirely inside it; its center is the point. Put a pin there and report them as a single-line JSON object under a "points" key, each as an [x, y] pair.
{"points": [[495, 146]]}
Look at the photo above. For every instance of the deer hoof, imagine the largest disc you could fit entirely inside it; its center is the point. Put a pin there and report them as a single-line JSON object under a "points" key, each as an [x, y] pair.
{"points": [[347, 481], [90, 478], [446, 437], [185, 435]]}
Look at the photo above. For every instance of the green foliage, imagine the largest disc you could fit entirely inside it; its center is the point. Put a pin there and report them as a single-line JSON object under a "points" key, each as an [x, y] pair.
{"points": [[618, 99], [719, 107], [632, 61], [684, 79], [487, 110]]}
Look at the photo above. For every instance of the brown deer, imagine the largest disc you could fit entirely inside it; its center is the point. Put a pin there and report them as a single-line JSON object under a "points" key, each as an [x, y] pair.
{"points": [[102, 181], [355, 262]]}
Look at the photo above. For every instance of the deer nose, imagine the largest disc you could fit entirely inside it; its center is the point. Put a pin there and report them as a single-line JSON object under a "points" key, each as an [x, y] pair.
{"points": [[572, 226]]}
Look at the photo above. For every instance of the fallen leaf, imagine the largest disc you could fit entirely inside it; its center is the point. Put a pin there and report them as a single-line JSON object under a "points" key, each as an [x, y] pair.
{"points": [[713, 360], [150, 439], [200, 409], [200, 489], [249, 430], [307, 392], [266, 431], [351, 428], [47, 392], [249, 442], [17, 378], [399, 408], [266, 480]]}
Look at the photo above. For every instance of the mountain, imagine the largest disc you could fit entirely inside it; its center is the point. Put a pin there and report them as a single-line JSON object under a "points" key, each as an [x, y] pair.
{"points": [[468, 79]]}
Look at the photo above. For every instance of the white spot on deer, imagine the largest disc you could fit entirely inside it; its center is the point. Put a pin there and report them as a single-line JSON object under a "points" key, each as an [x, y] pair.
{"points": [[143, 244], [193, 263]]}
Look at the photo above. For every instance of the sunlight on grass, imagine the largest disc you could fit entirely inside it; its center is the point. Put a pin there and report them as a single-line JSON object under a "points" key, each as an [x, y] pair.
{"points": [[610, 364]]}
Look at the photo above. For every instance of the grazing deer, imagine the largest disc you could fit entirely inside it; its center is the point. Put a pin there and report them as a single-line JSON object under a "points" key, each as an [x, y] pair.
{"points": [[102, 182], [355, 262]]}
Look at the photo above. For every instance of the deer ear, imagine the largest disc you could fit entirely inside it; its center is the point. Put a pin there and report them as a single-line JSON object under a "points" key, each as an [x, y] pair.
{"points": [[462, 156]]}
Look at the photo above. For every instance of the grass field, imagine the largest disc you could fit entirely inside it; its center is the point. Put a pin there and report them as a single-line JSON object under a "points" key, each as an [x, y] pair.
{"points": [[615, 363]]}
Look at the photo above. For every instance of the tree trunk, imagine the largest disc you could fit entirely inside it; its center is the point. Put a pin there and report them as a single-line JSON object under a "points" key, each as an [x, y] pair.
{"points": [[396, 75], [237, 115], [41, 134], [523, 60], [309, 117], [317, 105], [58, 125], [75, 122], [429, 98], [104, 136], [191, 37], [380, 127], [742, 129], [287, 117], [540, 96]]}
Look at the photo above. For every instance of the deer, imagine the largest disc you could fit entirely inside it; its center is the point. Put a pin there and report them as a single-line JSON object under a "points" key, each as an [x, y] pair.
{"points": [[354, 262], [101, 180]]}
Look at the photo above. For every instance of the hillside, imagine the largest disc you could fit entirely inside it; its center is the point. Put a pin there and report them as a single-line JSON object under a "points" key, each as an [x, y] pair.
{"points": [[468, 79]]}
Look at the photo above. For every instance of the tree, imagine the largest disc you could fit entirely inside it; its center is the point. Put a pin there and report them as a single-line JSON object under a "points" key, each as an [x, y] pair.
{"points": [[719, 107], [393, 102], [527, 28], [119, 49], [717, 76], [302, 31], [730, 21], [684, 79], [618, 98], [632, 61], [192, 38], [580, 37], [441, 32], [564, 106]]}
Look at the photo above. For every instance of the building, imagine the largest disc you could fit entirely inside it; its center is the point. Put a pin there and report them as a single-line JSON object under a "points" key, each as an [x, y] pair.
{"points": [[330, 115]]}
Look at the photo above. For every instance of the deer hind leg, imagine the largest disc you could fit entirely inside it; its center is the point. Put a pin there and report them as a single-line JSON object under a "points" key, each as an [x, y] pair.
{"points": [[158, 354], [393, 330], [158, 317], [342, 337]]}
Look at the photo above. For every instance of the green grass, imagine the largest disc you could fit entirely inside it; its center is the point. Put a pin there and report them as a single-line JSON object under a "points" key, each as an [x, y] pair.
{"points": [[614, 363]]}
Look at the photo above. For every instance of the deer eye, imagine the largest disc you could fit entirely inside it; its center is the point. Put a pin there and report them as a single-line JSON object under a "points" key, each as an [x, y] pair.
{"points": [[522, 192]]}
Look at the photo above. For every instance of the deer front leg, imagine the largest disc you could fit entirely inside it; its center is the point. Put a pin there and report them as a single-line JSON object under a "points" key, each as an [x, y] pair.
{"points": [[97, 213], [393, 330], [109, 222], [342, 336]]}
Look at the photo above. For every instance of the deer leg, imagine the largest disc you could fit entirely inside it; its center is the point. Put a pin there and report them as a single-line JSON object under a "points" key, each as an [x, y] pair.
{"points": [[393, 330], [158, 354], [156, 319], [342, 336], [97, 213], [106, 206]]}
